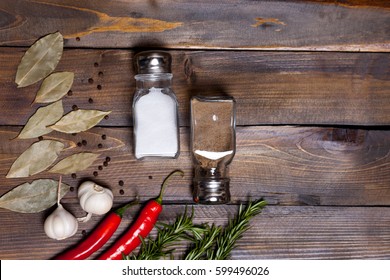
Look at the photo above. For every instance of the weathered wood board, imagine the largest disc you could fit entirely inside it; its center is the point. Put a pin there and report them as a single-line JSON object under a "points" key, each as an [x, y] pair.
{"points": [[284, 165], [277, 25], [284, 232], [290, 88]]}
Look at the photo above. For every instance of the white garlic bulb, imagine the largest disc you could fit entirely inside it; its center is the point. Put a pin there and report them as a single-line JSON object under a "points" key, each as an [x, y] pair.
{"points": [[60, 224], [94, 199]]}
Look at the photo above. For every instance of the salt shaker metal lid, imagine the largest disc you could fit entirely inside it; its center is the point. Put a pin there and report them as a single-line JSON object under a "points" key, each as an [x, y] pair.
{"points": [[153, 62]]}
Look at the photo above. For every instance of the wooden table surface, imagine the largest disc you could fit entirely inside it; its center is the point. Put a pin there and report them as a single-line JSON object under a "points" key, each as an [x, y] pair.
{"points": [[312, 85]]}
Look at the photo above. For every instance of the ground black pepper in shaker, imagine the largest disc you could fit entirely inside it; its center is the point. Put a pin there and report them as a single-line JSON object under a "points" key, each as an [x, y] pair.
{"points": [[213, 145]]}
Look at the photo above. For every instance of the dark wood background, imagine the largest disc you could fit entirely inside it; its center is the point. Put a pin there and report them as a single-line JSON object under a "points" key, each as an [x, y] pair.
{"points": [[312, 85]]}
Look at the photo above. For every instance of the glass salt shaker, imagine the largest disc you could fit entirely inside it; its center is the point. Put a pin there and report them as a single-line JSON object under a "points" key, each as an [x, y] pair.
{"points": [[213, 145], [155, 107]]}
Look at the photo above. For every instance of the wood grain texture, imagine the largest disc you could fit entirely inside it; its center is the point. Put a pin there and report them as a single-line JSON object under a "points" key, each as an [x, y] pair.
{"points": [[269, 25], [270, 87], [284, 165], [277, 233]]}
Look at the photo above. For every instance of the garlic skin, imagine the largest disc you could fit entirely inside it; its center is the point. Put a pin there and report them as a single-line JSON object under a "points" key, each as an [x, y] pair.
{"points": [[94, 199], [60, 224]]}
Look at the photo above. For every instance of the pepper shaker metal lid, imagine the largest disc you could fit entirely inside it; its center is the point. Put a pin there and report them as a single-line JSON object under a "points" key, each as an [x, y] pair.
{"points": [[153, 62]]}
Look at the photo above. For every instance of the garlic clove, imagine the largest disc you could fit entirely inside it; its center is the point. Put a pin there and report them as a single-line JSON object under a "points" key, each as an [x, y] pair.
{"points": [[60, 224], [94, 199], [99, 203]]}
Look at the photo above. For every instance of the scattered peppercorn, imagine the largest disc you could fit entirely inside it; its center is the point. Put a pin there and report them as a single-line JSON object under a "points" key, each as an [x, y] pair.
{"points": [[121, 192], [70, 93], [90, 80], [74, 107], [108, 159], [150, 177], [79, 144], [106, 117], [104, 137], [40, 138], [99, 87], [95, 173], [83, 232], [100, 145], [100, 74], [84, 142], [121, 183], [96, 64], [100, 167], [105, 163], [90, 100], [71, 189], [74, 176]]}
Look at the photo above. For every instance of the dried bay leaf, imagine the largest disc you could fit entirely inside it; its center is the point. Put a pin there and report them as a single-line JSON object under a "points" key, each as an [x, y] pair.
{"points": [[54, 87], [40, 195], [38, 123], [74, 163], [79, 120], [40, 60], [37, 158]]}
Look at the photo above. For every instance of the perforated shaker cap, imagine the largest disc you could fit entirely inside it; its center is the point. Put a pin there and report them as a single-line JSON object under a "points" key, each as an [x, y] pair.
{"points": [[153, 62]]}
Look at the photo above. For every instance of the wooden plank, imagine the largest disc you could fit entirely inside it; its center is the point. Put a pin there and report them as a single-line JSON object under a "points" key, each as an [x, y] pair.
{"points": [[277, 233], [284, 165], [270, 87], [273, 25]]}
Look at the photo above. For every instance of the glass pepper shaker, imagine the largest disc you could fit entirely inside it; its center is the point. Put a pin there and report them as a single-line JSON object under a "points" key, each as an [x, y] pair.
{"points": [[155, 107], [213, 145]]}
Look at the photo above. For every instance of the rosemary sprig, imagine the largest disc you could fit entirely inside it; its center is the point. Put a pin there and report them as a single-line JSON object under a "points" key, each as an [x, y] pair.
{"points": [[210, 243], [167, 235], [225, 242]]}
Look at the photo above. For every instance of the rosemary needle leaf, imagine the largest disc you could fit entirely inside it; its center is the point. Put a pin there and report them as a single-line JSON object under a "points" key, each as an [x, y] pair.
{"points": [[225, 242], [201, 245]]}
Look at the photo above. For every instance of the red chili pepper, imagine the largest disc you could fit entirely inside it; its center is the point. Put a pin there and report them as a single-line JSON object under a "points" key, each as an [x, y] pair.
{"points": [[141, 227], [97, 238]]}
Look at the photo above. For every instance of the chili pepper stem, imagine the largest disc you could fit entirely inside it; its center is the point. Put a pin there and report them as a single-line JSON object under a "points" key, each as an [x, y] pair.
{"points": [[165, 183], [120, 211]]}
